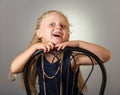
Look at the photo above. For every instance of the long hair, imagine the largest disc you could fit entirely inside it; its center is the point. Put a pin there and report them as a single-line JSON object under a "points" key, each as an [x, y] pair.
{"points": [[32, 74]]}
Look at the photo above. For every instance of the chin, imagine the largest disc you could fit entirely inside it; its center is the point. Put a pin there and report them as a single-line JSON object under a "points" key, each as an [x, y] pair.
{"points": [[57, 42]]}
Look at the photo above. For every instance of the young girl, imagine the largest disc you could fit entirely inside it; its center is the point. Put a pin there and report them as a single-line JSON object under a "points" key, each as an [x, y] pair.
{"points": [[52, 31]]}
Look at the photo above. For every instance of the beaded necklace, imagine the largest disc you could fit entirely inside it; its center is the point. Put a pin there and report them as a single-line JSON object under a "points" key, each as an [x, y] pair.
{"points": [[53, 76]]}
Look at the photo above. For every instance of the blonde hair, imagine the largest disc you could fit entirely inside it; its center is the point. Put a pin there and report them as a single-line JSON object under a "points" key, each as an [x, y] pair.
{"points": [[32, 75]]}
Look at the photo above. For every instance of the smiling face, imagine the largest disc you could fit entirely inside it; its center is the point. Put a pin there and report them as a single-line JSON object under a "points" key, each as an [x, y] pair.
{"points": [[54, 27]]}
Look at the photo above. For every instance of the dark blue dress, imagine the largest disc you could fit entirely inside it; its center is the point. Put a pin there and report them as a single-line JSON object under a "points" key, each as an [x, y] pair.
{"points": [[53, 85]]}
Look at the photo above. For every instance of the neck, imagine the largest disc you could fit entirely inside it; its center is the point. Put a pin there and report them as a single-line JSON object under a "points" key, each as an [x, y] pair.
{"points": [[51, 55]]}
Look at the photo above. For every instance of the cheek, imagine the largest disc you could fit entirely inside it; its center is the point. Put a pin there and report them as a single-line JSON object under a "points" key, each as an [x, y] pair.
{"points": [[47, 35], [67, 37]]}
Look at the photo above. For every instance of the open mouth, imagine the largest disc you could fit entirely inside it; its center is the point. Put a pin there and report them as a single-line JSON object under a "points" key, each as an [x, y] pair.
{"points": [[56, 35]]}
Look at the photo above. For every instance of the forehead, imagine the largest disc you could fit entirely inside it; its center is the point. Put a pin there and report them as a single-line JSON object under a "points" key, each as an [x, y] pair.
{"points": [[55, 16]]}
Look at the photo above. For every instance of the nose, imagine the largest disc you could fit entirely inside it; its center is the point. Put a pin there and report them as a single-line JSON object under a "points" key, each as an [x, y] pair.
{"points": [[58, 27]]}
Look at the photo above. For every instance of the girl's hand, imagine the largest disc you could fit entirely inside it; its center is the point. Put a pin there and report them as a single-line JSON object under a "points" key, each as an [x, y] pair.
{"points": [[47, 47], [67, 44]]}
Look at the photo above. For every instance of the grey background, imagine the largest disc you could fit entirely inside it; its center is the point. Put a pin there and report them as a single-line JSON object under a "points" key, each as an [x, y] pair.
{"points": [[96, 21]]}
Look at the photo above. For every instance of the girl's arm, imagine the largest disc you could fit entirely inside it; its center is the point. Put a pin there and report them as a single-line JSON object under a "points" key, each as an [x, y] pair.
{"points": [[19, 62], [101, 52]]}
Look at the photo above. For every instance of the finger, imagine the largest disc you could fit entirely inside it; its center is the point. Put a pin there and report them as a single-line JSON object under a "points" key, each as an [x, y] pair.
{"points": [[59, 47], [45, 49], [63, 47], [51, 45]]}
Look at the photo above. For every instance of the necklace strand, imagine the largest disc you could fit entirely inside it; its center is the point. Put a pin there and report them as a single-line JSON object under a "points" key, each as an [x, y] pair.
{"points": [[57, 71], [51, 77]]}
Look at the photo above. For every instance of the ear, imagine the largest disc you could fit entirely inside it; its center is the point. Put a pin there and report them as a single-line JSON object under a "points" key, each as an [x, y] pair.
{"points": [[39, 33]]}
